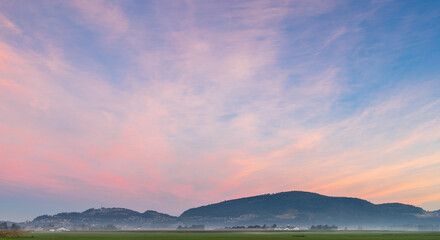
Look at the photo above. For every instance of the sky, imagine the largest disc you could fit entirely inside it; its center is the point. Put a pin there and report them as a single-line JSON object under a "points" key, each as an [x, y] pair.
{"points": [[167, 105]]}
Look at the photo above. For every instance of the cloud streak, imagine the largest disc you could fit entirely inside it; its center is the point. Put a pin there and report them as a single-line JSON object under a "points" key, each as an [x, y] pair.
{"points": [[217, 100]]}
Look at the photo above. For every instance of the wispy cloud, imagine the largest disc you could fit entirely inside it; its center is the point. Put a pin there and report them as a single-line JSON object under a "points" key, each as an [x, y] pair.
{"points": [[200, 101]]}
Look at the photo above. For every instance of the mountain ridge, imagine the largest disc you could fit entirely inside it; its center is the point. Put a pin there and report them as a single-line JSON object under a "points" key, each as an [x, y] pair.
{"points": [[291, 207], [302, 208]]}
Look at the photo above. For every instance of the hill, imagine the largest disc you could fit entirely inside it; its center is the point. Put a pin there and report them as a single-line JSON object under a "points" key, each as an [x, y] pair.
{"points": [[104, 219], [294, 208], [301, 208]]}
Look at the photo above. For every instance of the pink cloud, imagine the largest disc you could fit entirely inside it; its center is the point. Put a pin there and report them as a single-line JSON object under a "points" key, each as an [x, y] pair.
{"points": [[5, 23], [104, 16], [163, 136]]}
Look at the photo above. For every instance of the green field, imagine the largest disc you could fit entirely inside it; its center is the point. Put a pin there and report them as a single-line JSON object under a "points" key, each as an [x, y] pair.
{"points": [[232, 235]]}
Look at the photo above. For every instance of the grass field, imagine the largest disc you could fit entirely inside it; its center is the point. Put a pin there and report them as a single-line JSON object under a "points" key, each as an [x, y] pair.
{"points": [[232, 235]]}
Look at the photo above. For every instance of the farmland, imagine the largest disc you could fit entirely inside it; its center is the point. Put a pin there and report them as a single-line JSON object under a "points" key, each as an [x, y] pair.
{"points": [[220, 235]]}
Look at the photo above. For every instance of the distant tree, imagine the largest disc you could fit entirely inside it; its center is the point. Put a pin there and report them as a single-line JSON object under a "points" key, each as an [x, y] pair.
{"points": [[254, 226], [15, 227], [237, 227], [324, 227], [4, 226], [274, 226]]}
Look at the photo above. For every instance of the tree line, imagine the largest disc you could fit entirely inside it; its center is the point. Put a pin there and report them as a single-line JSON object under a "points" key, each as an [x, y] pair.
{"points": [[324, 227], [13, 227]]}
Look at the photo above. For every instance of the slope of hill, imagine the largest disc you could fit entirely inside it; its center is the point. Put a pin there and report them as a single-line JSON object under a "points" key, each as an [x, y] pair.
{"points": [[298, 207], [103, 218], [294, 208]]}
